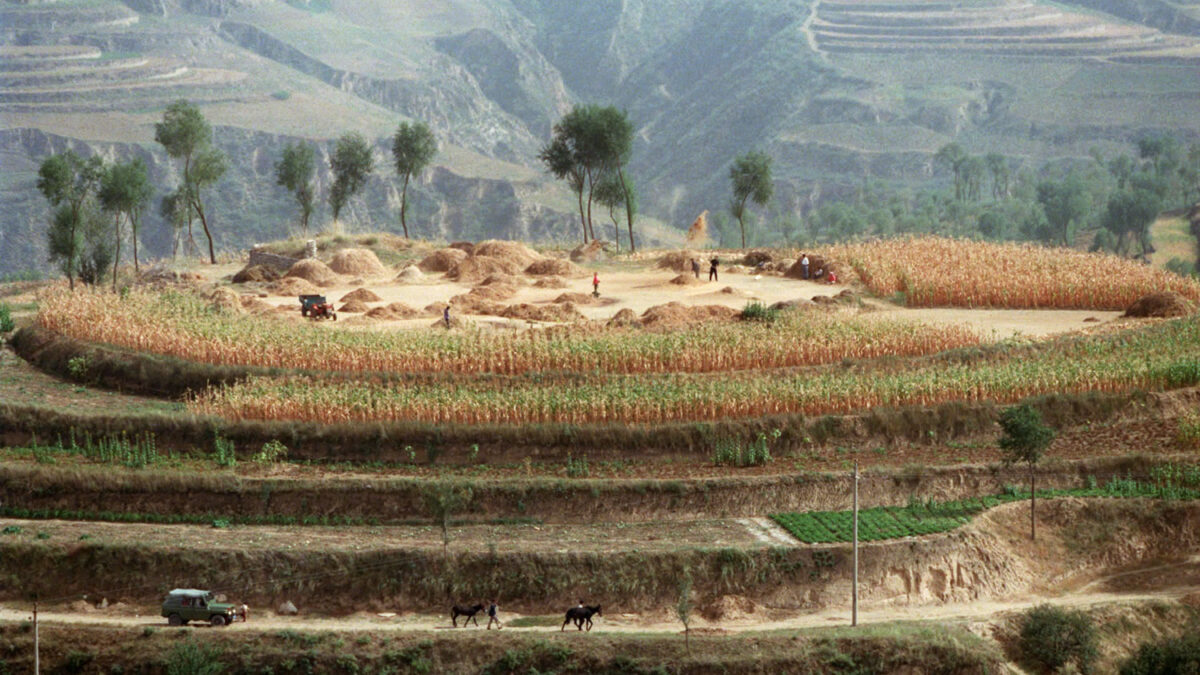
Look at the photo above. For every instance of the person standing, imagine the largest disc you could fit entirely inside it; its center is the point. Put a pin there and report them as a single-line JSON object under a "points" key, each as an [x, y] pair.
{"points": [[595, 284], [492, 611], [804, 265], [696, 267], [446, 315], [712, 269]]}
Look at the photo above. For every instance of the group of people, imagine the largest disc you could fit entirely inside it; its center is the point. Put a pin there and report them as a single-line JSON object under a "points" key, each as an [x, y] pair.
{"points": [[712, 268], [714, 262]]}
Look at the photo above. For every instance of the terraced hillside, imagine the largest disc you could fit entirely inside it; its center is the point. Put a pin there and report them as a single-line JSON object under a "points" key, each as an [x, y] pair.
{"points": [[529, 459], [1015, 28]]}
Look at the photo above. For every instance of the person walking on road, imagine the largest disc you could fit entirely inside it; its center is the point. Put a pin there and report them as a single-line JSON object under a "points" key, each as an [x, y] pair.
{"points": [[492, 612], [712, 269], [446, 315], [696, 267]]}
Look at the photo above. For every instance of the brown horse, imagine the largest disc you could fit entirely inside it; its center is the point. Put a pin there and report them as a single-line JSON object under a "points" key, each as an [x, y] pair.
{"points": [[468, 611], [581, 615]]}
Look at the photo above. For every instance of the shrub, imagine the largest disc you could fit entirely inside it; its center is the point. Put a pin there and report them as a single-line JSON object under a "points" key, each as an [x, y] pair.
{"points": [[756, 311], [272, 451], [6, 322], [193, 658], [1166, 657], [1053, 637], [1189, 430], [223, 452]]}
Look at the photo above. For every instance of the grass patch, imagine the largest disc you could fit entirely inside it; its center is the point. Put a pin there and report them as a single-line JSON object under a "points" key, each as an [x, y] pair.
{"points": [[534, 622]]}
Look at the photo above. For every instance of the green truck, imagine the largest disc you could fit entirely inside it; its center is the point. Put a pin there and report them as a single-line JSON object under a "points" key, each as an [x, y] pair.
{"points": [[189, 604]]}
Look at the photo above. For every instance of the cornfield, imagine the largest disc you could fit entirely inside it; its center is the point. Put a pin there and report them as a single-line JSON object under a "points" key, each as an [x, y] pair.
{"points": [[939, 272], [1165, 355], [185, 326]]}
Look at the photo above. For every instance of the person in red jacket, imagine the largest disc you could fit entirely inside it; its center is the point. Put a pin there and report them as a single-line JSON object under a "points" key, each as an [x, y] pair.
{"points": [[596, 284]]}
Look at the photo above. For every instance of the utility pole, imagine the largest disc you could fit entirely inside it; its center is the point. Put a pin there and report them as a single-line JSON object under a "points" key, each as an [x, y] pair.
{"points": [[854, 599], [37, 661]]}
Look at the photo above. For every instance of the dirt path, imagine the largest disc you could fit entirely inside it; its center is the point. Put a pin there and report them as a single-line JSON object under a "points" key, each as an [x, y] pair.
{"points": [[987, 611]]}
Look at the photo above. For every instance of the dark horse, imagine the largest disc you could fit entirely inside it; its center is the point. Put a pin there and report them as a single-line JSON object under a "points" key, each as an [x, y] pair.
{"points": [[468, 611], [581, 615]]}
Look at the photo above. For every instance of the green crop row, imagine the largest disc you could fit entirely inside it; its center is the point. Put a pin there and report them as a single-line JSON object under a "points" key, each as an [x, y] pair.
{"points": [[921, 518]]}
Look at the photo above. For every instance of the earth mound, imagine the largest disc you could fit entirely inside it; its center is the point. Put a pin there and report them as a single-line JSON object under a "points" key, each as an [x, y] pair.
{"points": [[465, 246], [550, 282], [354, 306], [442, 260], [678, 261], [256, 273], [477, 268], [509, 251], [411, 273], [393, 312], [553, 267], [675, 314], [361, 295], [623, 319], [596, 249], [253, 305], [359, 262], [553, 312], [686, 279], [313, 271], [1159, 305], [293, 286], [578, 299]]}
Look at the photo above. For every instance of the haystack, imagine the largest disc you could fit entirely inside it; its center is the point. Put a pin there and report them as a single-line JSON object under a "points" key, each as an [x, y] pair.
{"points": [[550, 282], [686, 279], [293, 286], [623, 319], [253, 305], [758, 257], [527, 312], [815, 262], [678, 261], [578, 298], [442, 260], [226, 300], [1164, 304], [355, 306], [594, 250], [677, 314], [312, 270], [255, 273], [393, 312], [358, 262], [464, 246], [362, 295], [553, 267], [495, 292], [411, 274], [512, 251], [477, 268], [698, 231]]}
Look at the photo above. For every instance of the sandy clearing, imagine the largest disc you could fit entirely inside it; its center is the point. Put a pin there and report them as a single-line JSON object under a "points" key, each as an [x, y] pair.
{"points": [[638, 289]]}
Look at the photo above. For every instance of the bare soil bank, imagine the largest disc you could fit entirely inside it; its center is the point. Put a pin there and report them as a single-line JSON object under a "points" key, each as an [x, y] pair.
{"points": [[103, 491], [991, 558]]}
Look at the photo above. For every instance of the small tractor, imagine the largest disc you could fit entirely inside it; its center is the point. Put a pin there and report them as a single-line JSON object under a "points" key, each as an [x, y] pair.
{"points": [[316, 307]]}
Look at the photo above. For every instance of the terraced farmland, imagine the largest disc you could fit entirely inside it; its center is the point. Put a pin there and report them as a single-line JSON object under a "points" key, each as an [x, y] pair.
{"points": [[1001, 27]]}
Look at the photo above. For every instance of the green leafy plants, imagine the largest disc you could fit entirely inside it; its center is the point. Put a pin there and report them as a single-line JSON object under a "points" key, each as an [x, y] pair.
{"points": [[271, 452], [1165, 657], [733, 452], [224, 453], [6, 321]]}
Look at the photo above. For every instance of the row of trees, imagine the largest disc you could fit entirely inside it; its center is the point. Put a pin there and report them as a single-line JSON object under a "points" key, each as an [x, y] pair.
{"points": [[1110, 202], [94, 201]]}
